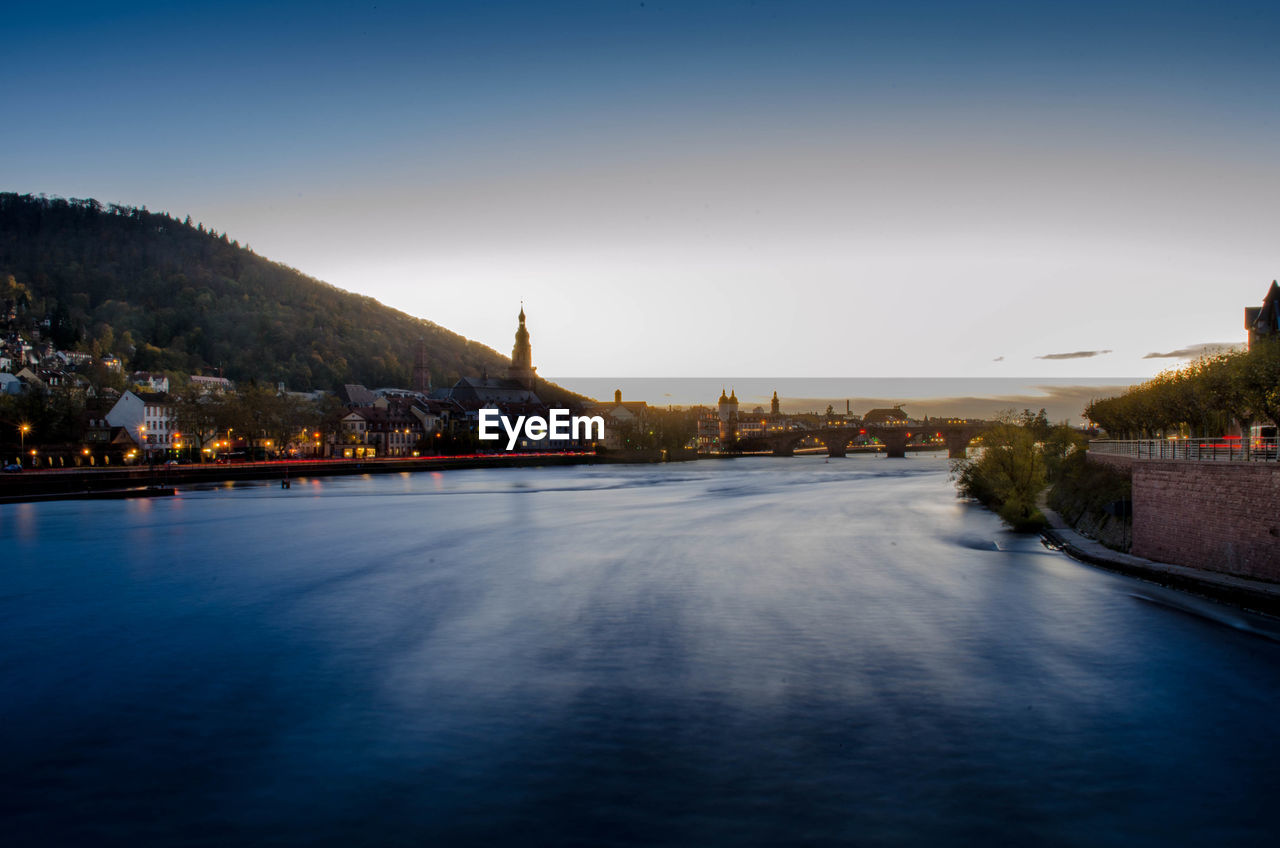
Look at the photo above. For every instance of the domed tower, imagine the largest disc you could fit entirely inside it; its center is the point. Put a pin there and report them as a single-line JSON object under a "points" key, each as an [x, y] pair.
{"points": [[728, 408], [522, 356]]}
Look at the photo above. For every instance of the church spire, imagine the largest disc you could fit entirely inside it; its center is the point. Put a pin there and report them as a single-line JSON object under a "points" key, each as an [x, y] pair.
{"points": [[522, 355]]}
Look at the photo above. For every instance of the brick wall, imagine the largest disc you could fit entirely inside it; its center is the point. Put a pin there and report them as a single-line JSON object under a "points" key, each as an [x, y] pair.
{"points": [[1217, 516]]}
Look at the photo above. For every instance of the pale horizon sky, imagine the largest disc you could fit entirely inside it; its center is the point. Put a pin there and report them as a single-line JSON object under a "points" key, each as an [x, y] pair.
{"points": [[766, 188]]}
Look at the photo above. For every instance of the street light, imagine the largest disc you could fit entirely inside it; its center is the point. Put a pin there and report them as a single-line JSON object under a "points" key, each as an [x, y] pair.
{"points": [[23, 430]]}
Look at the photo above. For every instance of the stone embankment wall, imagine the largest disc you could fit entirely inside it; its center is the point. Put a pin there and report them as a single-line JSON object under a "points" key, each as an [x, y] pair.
{"points": [[1215, 516]]}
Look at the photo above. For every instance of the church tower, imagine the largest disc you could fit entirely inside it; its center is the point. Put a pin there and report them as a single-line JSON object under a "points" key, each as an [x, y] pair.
{"points": [[773, 405], [421, 376], [728, 413], [522, 368]]}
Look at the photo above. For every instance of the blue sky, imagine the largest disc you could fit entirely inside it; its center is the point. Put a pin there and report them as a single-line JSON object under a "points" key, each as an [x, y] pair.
{"points": [[768, 188]]}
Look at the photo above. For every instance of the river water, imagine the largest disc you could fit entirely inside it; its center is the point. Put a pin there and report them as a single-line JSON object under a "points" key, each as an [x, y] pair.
{"points": [[759, 651]]}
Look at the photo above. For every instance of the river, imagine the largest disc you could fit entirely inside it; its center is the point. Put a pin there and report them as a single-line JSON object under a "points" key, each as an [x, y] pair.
{"points": [[759, 651]]}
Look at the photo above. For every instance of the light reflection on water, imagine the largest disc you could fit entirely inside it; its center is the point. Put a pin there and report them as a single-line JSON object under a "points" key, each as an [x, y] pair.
{"points": [[756, 651]]}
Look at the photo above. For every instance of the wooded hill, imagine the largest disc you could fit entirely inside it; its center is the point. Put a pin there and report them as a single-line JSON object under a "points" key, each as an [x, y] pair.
{"points": [[169, 295]]}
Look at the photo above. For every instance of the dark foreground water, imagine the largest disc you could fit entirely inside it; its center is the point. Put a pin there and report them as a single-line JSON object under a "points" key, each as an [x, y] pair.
{"points": [[747, 652]]}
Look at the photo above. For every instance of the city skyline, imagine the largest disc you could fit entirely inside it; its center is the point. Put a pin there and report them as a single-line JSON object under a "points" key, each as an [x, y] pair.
{"points": [[823, 190]]}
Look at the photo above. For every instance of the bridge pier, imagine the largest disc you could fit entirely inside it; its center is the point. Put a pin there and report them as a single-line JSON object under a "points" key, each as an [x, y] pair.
{"points": [[958, 445], [895, 444], [837, 446], [784, 450]]}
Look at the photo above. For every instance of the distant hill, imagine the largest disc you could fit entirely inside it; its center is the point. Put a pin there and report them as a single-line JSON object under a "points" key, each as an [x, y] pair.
{"points": [[168, 295]]}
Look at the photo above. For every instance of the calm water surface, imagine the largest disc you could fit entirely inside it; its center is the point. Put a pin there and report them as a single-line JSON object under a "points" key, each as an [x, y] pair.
{"points": [[748, 652]]}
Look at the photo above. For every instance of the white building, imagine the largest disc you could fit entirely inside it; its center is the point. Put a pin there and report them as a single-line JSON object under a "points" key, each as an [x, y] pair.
{"points": [[149, 417], [148, 382], [219, 385]]}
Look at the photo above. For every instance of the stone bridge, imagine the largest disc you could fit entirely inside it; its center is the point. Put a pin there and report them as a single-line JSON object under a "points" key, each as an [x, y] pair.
{"points": [[955, 433]]}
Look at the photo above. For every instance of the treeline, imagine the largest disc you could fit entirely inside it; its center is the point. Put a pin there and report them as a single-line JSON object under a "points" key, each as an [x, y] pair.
{"points": [[170, 295], [1199, 400], [256, 412]]}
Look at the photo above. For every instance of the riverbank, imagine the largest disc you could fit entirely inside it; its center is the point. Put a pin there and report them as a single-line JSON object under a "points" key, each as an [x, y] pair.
{"points": [[63, 484], [1253, 595]]}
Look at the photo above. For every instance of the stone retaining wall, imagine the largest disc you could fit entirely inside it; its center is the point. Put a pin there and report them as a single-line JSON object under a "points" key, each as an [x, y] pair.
{"points": [[1215, 516]]}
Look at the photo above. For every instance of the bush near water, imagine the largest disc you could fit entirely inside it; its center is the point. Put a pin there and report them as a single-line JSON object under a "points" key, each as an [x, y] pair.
{"points": [[1018, 458]]}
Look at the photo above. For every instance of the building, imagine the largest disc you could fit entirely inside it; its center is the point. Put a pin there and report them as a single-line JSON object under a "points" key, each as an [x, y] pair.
{"points": [[387, 428], [518, 387], [513, 395], [27, 374], [215, 385], [727, 412], [1262, 321], [389, 422], [105, 444], [621, 419], [728, 424], [148, 382], [485, 389], [437, 416], [885, 416], [149, 417], [421, 374], [356, 395], [521, 369]]}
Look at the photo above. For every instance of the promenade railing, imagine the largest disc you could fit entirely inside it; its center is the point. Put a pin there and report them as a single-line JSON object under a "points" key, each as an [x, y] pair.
{"points": [[1195, 450]]}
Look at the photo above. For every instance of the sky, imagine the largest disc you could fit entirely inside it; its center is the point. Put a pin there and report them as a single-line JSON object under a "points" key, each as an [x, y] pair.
{"points": [[789, 189]]}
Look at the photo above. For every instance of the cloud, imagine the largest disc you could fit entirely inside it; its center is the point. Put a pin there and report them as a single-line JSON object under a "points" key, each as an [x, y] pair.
{"points": [[1078, 354], [1197, 350]]}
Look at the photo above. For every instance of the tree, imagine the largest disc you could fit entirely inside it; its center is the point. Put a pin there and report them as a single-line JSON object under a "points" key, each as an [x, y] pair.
{"points": [[1258, 377], [1007, 475], [198, 415]]}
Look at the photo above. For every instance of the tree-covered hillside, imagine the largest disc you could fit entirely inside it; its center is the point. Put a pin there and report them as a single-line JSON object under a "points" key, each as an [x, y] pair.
{"points": [[168, 295]]}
